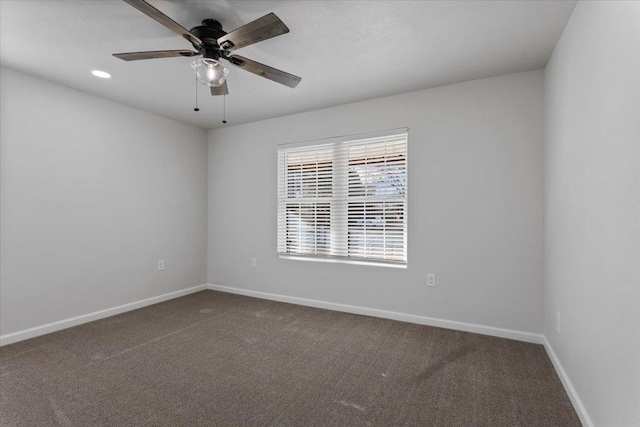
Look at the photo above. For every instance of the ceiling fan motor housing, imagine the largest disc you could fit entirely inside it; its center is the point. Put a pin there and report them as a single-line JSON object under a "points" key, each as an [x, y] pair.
{"points": [[209, 32]]}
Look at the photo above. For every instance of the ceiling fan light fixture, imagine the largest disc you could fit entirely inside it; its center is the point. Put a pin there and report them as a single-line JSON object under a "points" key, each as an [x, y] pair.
{"points": [[210, 72]]}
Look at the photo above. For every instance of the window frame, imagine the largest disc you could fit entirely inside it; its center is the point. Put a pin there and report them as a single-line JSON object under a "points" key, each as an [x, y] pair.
{"points": [[340, 204]]}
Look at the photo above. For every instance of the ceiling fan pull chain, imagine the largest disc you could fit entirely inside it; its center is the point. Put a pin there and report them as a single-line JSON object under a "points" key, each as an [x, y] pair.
{"points": [[196, 109], [224, 109]]}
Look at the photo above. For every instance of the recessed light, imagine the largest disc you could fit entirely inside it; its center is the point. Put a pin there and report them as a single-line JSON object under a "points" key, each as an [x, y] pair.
{"points": [[101, 74]]}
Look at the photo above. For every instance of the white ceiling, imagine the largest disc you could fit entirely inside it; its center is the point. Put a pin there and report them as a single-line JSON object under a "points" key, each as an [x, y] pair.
{"points": [[345, 51]]}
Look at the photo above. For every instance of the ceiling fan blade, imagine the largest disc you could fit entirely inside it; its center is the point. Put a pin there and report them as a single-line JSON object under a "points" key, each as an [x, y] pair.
{"points": [[256, 31], [154, 13], [135, 56], [265, 71], [220, 90]]}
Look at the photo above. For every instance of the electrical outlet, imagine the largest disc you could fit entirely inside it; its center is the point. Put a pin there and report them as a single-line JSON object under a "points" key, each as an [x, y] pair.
{"points": [[253, 262], [431, 280], [558, 325], [161, 265]]}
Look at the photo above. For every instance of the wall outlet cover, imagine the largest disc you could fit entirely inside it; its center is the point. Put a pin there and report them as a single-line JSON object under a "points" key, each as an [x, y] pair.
{"points": [[431, 280]]}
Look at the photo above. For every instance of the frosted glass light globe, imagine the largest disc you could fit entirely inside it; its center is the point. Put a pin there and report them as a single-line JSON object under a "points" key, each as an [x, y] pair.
{"points": [[210, 72]]}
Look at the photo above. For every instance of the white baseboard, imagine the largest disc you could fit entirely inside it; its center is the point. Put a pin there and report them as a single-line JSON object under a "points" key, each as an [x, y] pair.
{"points": [[568, 386], [85, 318], [403, 317]]}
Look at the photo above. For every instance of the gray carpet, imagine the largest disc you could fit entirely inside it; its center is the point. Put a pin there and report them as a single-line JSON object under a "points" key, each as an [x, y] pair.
{"points": [[212, 358]]}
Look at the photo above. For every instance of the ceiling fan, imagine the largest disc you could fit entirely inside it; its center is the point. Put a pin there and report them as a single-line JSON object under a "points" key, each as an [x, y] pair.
{"points": [[212, 43]]}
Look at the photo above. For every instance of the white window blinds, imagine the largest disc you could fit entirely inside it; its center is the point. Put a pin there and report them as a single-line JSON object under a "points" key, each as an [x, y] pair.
{"points": [[344, 198]]}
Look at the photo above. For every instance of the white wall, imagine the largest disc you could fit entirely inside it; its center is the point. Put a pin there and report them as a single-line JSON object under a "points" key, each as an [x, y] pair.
{"points": [[93, 194], [475, 205], [592, 208]]}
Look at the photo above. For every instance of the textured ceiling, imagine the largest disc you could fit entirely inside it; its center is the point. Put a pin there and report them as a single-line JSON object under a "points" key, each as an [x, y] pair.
{"points": [[345, 51]]}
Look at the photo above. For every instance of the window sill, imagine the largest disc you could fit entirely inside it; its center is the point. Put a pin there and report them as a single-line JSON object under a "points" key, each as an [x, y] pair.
{"points": [[342, 261]]}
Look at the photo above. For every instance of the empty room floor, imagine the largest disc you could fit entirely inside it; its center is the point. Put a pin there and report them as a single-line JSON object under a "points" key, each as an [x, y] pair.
{"points": [[212, 358]]}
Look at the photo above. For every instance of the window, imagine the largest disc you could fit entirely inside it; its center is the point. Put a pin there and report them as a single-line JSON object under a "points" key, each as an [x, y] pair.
{"points": [[344, 198]]}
